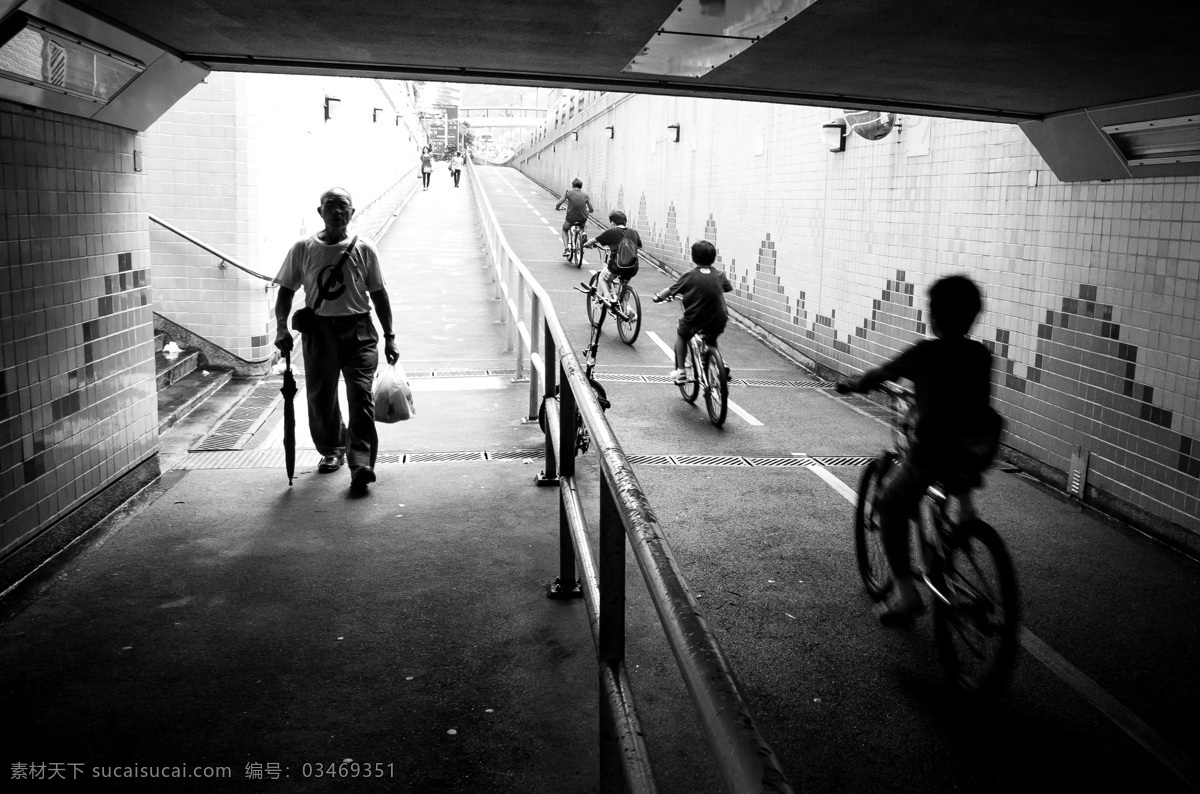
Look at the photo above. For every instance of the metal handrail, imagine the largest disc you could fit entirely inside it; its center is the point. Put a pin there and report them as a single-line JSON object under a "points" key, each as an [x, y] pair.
{"points": [[746, 762], [223, 257]]}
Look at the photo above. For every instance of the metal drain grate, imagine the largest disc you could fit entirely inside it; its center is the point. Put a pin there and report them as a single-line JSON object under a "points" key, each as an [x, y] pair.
{"points": [[623, 378], [273, 459], [779, 384], [443, 457], [237, 427], [843, 460], [514, 454], [424, 374], [781, 462], [709, 460], [799, 461], [650, 460]]}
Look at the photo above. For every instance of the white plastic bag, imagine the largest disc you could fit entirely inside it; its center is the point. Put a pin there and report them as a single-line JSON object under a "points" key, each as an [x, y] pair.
{"points": [[393, 397]]}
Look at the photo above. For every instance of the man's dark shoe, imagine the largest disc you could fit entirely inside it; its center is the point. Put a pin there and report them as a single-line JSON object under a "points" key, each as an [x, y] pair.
{"points": [[331, 463], [361, 479]]}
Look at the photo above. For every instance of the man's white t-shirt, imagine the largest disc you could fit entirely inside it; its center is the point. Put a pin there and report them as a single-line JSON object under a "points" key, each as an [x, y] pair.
{"points": [[310, 261]]}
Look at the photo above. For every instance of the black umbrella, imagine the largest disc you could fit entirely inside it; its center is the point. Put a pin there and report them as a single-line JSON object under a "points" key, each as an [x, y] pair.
{"points": [[289, 418]]}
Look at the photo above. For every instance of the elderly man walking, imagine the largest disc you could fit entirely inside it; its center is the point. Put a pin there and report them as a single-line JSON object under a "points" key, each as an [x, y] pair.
{"points": [[341, 278]]}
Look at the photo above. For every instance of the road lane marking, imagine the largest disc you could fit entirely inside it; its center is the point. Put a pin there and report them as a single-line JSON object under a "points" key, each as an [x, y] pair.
{"points": [[1117, 713], [737, 409], [829, 477]]}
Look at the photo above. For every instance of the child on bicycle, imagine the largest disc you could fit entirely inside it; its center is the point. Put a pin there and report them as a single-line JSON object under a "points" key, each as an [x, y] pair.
{"points": [[579, 207], [952, 378], [612, 238], [702, 290]]}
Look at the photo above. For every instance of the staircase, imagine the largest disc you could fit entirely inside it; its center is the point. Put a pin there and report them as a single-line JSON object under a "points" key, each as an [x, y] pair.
{"points": [[184, 382]]}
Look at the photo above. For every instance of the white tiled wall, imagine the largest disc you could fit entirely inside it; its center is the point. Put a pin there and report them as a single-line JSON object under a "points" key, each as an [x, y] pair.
{"points": [[77, 395], [240, 163], [1091, 288]]}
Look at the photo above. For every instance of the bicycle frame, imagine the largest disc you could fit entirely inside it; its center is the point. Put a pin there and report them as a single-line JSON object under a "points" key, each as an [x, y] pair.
{"points": [[934, 534]]}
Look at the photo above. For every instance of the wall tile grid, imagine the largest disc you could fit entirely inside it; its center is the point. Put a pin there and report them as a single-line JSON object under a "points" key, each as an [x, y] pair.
{"points": [[240, 163], [1091, 289], [77, 395]]}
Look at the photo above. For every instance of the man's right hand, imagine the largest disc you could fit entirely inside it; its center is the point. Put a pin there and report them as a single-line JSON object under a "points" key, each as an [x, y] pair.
{"points": [[283, 340]]}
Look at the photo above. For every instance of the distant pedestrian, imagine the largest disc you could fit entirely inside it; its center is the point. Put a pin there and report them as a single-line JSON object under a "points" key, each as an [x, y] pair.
{"points": [[341, 278], [426, 167], [457, 163]]}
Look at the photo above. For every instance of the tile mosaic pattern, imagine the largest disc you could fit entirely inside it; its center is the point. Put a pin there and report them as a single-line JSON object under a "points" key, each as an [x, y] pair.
{"points": [[78, 407], [857, 237], [222, 166]]}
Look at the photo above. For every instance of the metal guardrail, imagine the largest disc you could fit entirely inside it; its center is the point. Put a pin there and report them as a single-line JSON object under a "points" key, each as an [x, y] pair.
{"points": [[225, 259], [746, 762]]}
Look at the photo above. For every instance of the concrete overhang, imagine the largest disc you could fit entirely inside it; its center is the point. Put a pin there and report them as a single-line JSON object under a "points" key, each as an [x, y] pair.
{"points": [[1036, 63]]}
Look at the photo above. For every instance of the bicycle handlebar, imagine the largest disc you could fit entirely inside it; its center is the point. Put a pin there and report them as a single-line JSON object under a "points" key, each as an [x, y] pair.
{"points": [[890, 388]]}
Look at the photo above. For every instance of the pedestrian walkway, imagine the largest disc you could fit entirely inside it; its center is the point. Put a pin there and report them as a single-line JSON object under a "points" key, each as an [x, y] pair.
{"points": [[231, 621]]}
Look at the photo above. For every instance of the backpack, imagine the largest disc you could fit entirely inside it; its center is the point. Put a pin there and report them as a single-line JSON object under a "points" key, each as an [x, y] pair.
{"points": [[626, 252]]}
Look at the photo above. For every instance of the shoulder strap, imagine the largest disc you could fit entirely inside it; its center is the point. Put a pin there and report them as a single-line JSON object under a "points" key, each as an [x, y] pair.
{"points": [[336, 269]]}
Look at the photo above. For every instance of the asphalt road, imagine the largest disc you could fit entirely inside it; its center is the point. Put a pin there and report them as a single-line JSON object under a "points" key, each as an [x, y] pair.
{"points": [[850, 706]]}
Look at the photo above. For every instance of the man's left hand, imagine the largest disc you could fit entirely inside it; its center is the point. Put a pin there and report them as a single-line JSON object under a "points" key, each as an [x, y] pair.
{"points": [[391, 352]]}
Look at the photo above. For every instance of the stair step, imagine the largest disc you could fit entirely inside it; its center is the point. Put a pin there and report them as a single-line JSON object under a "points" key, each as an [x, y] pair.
{"points": [[184, 395], [168, 370], [160, 339]]}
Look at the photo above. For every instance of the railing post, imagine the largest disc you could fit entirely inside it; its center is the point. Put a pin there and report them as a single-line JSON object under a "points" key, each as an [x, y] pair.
{"points": [[612, 578], [611, 644], [514, 326], [566, 426], [549, 475], [535, 347], [501, 280]]}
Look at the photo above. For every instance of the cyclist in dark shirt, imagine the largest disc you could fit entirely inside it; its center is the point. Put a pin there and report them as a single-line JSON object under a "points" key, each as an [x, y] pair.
{"points": [[952, 378], [702, 290], [611, 238], [579, 206]]}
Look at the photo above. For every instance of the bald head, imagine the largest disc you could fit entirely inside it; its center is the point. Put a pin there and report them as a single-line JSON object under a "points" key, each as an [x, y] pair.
{"points": [[341, 193]]}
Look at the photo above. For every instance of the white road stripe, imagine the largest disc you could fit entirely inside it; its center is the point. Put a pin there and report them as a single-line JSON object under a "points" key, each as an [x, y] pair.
{"points": [[1120, 715], [737, 409], [834, 483]]}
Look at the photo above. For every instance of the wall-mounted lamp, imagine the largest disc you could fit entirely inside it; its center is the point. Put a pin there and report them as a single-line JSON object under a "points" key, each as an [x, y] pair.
{"points": [[576, 134], [611, 131], [375, 115], [676, 128], [397, 119], [834, 135], [331, 106]]}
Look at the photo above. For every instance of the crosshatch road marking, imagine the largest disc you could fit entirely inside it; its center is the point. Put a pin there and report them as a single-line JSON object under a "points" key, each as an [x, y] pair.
{"points": [[306, 456], [615, 377]]}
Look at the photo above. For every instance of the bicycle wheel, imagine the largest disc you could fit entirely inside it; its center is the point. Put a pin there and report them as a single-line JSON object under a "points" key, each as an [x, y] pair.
{"points": [[576, 246], [594, 308], [716, 387], [631, 307], [691, 386], [976, 632], [868, 540]]}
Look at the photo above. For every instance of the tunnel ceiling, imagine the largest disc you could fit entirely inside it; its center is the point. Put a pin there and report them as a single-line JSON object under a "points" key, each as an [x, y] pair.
{"points": [[1015, 60]]}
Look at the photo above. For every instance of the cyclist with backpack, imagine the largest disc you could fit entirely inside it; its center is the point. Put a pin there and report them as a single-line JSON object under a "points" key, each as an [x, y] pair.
{"points": [[623, 244], [952, 378]]}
